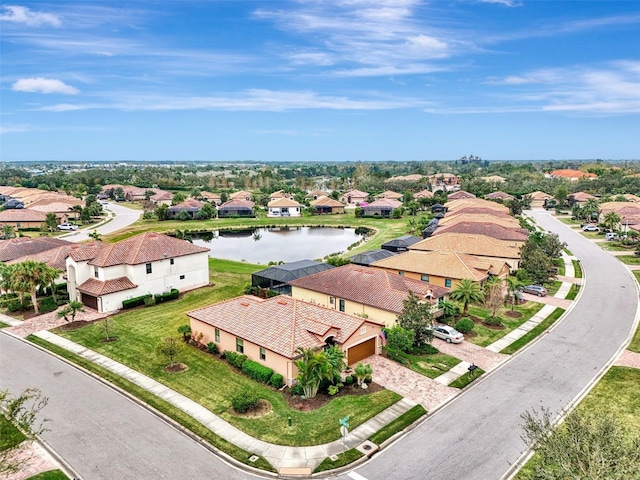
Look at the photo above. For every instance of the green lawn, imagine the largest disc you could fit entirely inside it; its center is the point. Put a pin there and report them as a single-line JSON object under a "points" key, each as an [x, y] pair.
{"points": [[534, 332], [559, 263], [486, 336], [10, 436], [466, 378], [568, 221], [386, 229], [431, 366], [211, 381], [617, 247], [573, 292], [553, 287], [634, 346], [50, 475], [4, 325], [577, 268], [629, 259]]}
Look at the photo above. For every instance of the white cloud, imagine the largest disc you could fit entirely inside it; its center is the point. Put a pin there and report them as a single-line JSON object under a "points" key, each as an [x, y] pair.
{"points": [[506, 3], [44, 85], [14, 128], [18, 14]]}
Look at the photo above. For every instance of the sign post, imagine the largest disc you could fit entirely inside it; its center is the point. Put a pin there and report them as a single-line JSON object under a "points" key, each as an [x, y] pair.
{"points": [[344, 428]]}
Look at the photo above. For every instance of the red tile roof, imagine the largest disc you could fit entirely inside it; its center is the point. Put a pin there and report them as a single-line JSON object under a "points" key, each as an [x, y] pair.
{"points": [[23, 246], [325, 201], [460, 194], [22, 215], [96, 287], [279, 324], [369, 286], [486, 228], [56, 257]]}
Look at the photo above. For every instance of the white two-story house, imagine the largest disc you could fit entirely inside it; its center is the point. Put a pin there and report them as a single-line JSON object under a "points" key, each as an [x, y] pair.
{"points": [[148, 263]]}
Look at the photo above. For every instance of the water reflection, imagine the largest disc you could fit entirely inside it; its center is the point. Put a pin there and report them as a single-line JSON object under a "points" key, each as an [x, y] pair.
{"points": [[287, 244]]}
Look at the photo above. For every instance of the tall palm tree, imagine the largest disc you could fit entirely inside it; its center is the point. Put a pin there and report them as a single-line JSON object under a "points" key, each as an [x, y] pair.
{"points": [[513, 284], [336, 359], [313, 367], [590, 209], [30, 275], [467, 292], [611, 220]]}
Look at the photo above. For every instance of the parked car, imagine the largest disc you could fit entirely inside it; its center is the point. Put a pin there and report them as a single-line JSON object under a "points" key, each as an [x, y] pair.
{"points": [[590, 228], [538, 290], [448, 334], [67, 226], [610, 236]]}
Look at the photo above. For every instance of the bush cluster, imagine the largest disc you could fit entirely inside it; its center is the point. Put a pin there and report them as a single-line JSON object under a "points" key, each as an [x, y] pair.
{"points": [[257, 371], [48, 304], [245, 400], [398, 356], [212, 347], [425, 349], [235, 359], [465, 325], [276, 381], [166, 296], [135, 302]]}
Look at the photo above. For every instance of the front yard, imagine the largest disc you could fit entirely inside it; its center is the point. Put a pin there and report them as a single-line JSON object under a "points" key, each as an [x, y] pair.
{"points": [[211, 381]]}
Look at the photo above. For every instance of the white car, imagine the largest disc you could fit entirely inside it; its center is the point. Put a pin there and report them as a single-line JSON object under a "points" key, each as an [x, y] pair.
{"points": [[67, 226], [447, 333], [590, 228]]}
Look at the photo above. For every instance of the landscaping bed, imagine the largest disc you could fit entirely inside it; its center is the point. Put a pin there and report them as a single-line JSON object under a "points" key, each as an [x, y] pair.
{"points": [[487, 334]]}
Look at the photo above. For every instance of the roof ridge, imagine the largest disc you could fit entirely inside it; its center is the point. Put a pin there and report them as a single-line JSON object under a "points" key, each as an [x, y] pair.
{"points": [[142, 237]]}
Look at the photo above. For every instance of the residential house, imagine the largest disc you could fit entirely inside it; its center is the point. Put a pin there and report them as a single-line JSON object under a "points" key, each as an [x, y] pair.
{"points": [[271, 331], [494, 179], [423, 194], [383, 207], [284, 207], [25, 246], [506, 222], [400, 244], [444, 181], [631, 197], [139, 194], [23, 218], [190, 205], [368, 292], [489, 229], [148, 263], [390, 195], [579, 198], [241, 195], [354, 197], [539, 199], [213, 198], [571, 175], [454, 206], [280, 194], [499, 196], [480, 246], [444, 268], [629, 213], [278, 277], [236, 208], [324, 205], [413, 177], [459, 195], [315, 194]]}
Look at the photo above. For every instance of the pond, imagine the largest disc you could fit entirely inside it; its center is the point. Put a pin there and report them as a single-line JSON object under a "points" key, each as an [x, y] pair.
{"points": [[287, 244]]}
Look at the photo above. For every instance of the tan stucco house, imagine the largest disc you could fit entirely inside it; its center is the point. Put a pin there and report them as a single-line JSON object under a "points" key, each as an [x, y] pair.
{"points": [[270, 331]]}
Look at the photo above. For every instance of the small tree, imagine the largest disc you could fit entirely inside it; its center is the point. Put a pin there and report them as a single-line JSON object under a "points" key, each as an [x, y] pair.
{"points": [[22, 413], [162, 212], [399, 338], [513, 285], [51, 222], [169, 347], [417, 316], [177, 198], [494, 299], [466, 292], [95, 236], [185, 330], [363, 372], [70, 310], [313, 367], [106, 327]]}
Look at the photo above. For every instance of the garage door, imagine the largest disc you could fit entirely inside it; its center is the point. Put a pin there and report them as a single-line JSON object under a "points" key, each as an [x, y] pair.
{"points": [[90, 301], [361, 351]]}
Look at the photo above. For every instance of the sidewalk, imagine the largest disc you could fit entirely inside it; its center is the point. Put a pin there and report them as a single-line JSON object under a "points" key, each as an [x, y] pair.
{"points": [[302, 459]]}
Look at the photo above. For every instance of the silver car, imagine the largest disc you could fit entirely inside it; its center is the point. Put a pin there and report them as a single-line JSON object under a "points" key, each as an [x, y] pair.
{"points": [[448, 334]]}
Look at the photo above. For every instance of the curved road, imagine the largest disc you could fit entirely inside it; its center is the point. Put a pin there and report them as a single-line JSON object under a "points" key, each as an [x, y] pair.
{"points": [[476, 436], [124, 217]]}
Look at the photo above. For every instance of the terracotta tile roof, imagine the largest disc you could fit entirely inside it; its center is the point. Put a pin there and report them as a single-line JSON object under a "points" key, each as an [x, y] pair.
{"points": [[423, 194], [507, 222], [621, 208], [23, 246], [161, 195], [480, 210], [414, 177], [355, 193], [241, 194], [460, 194], [582, 196], [210, 195], [444, 263], [325, 201], [96, 287], [384, 202], [538, 195], [55, 207], [494, 179], [316, 194], [54, 198], [455, 205], [143, 248], [280, 324], [631, 197], [498, 195], [86, 251], [486, 228], [570, 173], [56, 257], [472, 244], [188, 204], [22, 215], [283, 202], [237, 202], [369, 286], [390, 194]]}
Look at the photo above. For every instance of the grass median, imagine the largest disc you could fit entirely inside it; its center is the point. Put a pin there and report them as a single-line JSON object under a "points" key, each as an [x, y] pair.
{"points": [[534, 332], [577, 268], [486, 335]]}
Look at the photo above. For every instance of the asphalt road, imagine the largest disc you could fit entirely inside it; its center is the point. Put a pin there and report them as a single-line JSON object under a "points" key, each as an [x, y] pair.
{"points": [[98, 431], [124, 217], [477, 436]]}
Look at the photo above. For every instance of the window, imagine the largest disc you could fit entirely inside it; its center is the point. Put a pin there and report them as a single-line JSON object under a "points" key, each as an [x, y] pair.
{"points": [[263, 354], [218, 335], [424, 278], [447, 282], [95, 272], [332, 300], [171, 262], [363, 330], [148, 268], [239, 345], [341, 307], [401, 274], [181, 277]]}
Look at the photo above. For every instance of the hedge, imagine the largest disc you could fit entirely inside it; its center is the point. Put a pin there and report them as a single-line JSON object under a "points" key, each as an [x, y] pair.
{"points": [[257, 371], [166, 296], [235, 359], [276, 381], [135, 302]]}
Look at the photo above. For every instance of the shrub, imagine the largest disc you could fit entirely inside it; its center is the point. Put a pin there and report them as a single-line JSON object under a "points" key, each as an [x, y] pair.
{"points": [[495, 321], [465, 325], [166, 296], [47, 305], [276, 381], [185, 330], [235, 358], [399, 338], [14, 305], [245, 400], [348, 380], [257, 371], [135, 302], [425, 349], [149, 301], [212, 347], [297, 389], [398, 356]]}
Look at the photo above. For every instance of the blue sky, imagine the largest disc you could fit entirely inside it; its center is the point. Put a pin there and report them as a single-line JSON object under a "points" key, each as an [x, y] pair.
{"points": [[314, 80]]}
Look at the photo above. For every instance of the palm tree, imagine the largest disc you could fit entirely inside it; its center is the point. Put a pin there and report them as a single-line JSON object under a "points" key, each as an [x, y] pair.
{"points": [[8, 231], [336, 359], [30, 275], [611, 220], [467, 292], [590, 209], [513, 284], [313, 367]]}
